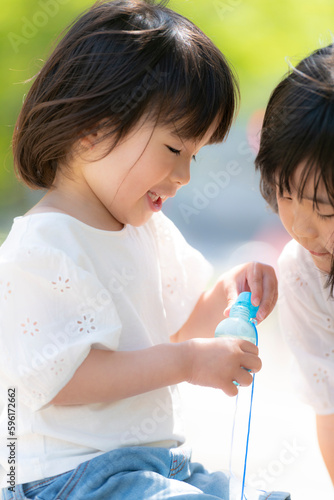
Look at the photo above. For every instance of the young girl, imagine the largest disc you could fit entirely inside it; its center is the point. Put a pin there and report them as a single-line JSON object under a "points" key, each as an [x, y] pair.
{"points": [[296, 162], [96, 281]]}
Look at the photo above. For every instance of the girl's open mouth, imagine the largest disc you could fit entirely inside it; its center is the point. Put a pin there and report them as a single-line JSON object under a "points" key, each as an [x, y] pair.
{"points": [[155, 201]]}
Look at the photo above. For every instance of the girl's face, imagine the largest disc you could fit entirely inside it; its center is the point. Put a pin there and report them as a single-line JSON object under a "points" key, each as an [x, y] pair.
{"points": [[144, 170], [311, 226]]}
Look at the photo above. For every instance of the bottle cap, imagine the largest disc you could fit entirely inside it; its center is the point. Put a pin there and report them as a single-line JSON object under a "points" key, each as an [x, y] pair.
{"points": [[244, 299]]}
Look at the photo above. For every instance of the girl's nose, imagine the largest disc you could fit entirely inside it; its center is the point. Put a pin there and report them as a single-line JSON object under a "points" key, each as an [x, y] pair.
{"points": [[181, 174]]}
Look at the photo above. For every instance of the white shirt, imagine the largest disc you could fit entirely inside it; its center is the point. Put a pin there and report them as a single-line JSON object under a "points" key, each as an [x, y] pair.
{"points": [[307, 321], [66, 287]]}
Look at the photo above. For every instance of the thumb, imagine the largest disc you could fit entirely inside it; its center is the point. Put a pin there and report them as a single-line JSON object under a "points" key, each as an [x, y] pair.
{"points": [[231, 298]]}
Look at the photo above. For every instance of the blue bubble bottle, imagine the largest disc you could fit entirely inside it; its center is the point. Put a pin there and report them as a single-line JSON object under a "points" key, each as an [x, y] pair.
{"points": [[240, 324]]}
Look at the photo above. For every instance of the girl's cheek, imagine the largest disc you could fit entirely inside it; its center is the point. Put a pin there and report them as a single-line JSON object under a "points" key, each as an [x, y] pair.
{"points": [[283, 213], [330, 239]]}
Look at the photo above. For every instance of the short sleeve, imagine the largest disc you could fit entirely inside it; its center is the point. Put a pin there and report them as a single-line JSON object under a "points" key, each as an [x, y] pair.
{"points": [[184, 273], [52, 313], [308, 330]]}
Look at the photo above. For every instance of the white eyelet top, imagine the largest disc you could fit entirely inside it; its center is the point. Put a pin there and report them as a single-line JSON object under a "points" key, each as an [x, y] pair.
{"points": [[307, 321], [66, 287]]}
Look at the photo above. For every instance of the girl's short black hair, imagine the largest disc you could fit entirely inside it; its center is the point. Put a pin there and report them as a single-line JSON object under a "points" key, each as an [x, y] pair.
{"points": [[118, 62], [298, 128]]}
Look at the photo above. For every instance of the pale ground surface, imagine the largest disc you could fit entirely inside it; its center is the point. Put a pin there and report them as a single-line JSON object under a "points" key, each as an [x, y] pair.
{"points": [[283, 452]]}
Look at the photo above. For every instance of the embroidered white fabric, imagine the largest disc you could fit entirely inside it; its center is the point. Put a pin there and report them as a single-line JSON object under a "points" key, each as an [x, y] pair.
{"points": [[65, 288], [307, 322]]}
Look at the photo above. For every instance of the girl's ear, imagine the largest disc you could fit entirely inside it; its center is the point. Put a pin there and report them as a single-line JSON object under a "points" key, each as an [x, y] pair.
{"points": [[91, 136], [88, 141]]}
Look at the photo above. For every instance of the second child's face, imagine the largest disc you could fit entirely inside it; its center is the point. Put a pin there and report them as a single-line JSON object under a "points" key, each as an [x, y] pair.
{"points": [[311, 226], [139, 174]]}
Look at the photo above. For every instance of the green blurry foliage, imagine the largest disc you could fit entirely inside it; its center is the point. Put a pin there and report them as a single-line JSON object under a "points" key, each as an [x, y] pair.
{"points": [[255, 35], [28, 30]]}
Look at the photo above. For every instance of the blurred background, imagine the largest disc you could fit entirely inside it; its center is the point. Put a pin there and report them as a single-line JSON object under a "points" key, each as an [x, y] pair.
{"points": [[220, 212]]}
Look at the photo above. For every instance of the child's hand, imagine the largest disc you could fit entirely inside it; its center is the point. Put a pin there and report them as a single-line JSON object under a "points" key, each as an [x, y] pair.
{"points": [[259, 279], [218, 362]]}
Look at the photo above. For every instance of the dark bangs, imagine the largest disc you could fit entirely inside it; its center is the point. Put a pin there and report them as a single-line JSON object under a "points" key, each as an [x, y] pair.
{"points": [[313, 132], [298, 128], [119, 62], [198, 86], [176, 77]]}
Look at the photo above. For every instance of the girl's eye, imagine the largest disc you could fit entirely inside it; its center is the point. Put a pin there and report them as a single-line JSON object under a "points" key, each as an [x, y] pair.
{"points": [[325, 217], [175, 151], [178, 152]]}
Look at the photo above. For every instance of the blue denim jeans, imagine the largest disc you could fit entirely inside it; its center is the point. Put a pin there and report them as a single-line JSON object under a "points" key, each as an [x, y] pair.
{"points": [[136, 473]]}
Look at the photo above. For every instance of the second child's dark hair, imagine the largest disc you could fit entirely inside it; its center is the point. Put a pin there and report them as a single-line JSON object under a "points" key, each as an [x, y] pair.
{"points": [[298, 128], [119, 62]]}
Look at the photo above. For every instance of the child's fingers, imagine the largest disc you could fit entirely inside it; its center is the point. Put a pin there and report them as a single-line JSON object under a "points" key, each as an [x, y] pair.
{"points": [[262, 282], [260, 279], [250, 360], [252, 364], [270, 294], [231, 390], [229, 305], [255, 281], [233, 293], [244, 378], [247, 347], [231, 298]]}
